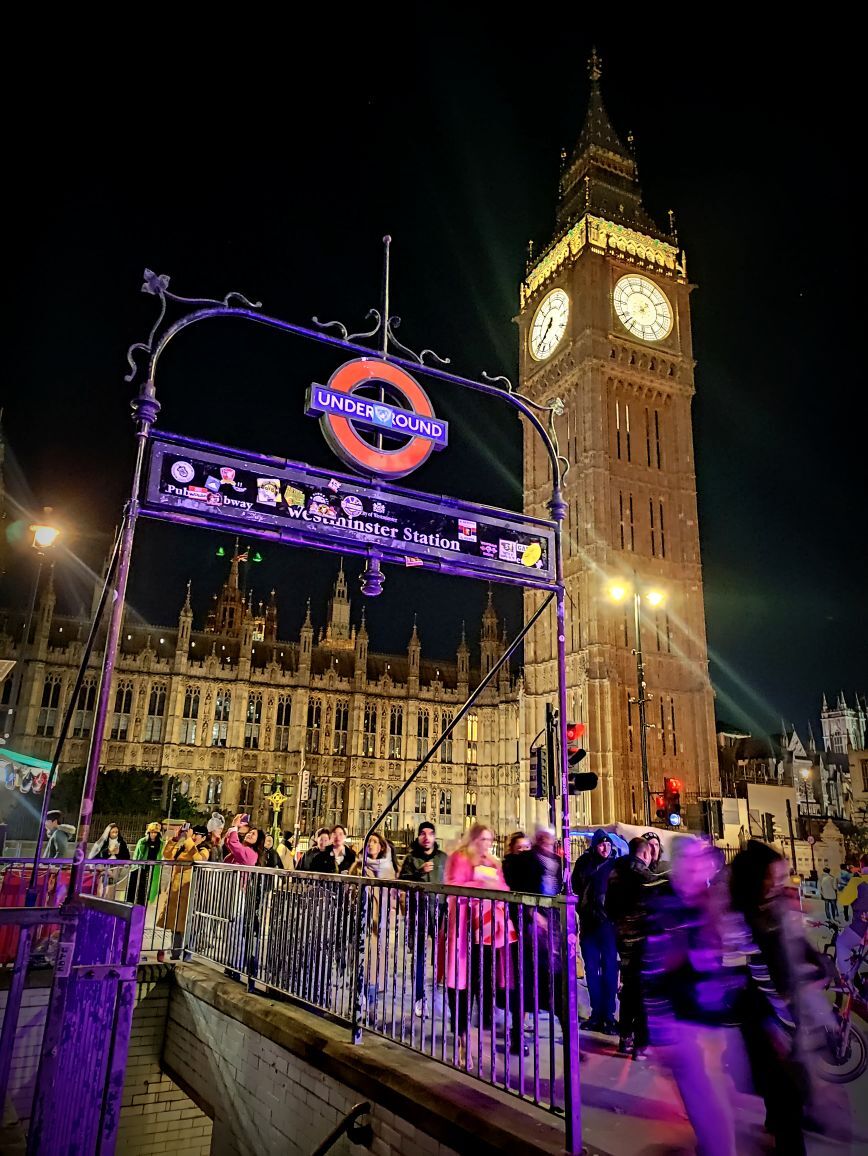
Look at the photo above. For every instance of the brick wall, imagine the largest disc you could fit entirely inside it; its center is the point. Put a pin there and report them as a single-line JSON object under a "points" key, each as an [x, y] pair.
{"points": [[25, 1053], [156, 1115], [266, 1099]]}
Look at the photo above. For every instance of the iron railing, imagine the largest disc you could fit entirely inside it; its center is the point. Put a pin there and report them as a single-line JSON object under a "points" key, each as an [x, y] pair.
{"points": [[469, 978], [161, 886]]}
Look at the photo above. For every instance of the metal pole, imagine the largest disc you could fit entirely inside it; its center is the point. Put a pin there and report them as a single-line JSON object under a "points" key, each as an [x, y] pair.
{"points": [[640, 702], [25, 646], [792, 836], [145, 409], [570, 1023], [67, 719]]}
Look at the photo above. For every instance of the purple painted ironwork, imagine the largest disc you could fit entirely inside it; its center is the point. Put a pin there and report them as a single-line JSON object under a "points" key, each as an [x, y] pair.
{"points": [[146, 407]]}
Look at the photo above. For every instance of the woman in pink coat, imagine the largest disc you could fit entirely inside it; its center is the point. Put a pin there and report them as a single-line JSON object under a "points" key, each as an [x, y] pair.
{"points": [[246, 850], [478, 934]]}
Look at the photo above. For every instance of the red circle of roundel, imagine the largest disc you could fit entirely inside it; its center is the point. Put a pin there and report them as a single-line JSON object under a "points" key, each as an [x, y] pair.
{"points": [[347, 444]]}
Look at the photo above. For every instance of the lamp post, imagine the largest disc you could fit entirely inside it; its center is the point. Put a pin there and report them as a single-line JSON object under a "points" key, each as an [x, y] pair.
{"points": [[806, 774], [276, 799], [44, 537], [618, 592]]}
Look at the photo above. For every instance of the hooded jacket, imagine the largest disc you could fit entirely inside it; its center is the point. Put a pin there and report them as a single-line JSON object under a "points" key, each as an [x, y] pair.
{"points": [[590, 880], [57, 846], [100, 849]]}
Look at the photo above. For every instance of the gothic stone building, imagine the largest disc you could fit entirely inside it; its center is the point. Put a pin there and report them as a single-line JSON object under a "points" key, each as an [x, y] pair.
{"points": [[221, 710], [604, 324]]}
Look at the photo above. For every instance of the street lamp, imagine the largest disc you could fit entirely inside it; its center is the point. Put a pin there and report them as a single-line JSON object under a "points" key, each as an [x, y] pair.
{"points": [[806, 774], [618, 592], [44, 537]]}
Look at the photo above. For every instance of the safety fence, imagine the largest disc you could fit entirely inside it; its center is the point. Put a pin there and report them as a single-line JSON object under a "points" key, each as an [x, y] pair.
{"points": [[469, 978], [161, 887]]}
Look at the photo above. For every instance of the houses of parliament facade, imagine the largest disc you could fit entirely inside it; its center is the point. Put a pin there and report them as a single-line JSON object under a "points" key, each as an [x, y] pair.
{"points": [[604, 325]]}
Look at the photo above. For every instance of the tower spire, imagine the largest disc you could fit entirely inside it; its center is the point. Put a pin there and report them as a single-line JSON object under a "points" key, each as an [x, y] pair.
{"points": [[601, 175]]}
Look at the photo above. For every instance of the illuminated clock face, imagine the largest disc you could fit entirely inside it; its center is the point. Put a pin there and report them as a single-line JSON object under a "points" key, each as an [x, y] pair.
{"points": [[642, 308], [549, 324]]}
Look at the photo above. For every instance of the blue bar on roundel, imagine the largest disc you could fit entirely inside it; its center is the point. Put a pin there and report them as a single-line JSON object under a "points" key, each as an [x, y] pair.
{"points": [[365, 411]]}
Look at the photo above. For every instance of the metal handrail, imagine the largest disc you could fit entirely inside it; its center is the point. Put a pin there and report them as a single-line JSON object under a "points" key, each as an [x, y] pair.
{"points": [[362, 1134]]}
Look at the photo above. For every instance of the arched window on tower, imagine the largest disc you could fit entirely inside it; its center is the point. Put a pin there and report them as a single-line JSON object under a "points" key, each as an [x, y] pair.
{"points": [[246, 794], [155, 718], [48, 709], [341, 728], [283, 722], [366, 806], [123, 705], [214, 790], [420, 807], [190, 719], [82, 720], [444, 808], [369, 735]]}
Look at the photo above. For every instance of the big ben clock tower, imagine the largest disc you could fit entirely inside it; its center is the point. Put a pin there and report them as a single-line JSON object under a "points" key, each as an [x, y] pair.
{"points": [[605, 326]]}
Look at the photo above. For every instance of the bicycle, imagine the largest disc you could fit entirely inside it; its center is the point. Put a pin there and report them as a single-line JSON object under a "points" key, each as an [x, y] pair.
{"points": [[846, 1055]]}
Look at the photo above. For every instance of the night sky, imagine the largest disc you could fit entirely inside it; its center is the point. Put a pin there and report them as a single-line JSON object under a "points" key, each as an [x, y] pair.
{"points": [[271, 160]]}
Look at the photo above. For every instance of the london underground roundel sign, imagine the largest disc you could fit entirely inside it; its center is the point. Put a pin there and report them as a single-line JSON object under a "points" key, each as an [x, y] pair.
{"points": [[372, 434]]}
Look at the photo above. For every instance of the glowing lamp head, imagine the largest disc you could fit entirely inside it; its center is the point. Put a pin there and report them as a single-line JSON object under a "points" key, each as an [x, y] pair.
{"points": [[617, 592], [805, 773], [654, 597], [44, 537]]}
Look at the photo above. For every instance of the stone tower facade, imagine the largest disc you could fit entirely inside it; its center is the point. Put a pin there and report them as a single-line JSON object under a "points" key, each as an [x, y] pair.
{"points": [[605, 326]]}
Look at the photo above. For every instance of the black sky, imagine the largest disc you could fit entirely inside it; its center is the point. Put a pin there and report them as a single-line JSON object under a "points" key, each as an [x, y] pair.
{"points": [[272, 158]]}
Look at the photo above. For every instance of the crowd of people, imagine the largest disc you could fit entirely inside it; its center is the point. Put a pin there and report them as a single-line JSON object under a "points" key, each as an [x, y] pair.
{"points": [[683, 955]]}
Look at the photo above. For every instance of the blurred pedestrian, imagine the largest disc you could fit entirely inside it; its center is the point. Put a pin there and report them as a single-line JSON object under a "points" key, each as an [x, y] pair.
{"points": [[631, 883], [476, 938], [596, 932], [424, 863], [694, 981], [535, 974], [785, 1016], [829, 894]]}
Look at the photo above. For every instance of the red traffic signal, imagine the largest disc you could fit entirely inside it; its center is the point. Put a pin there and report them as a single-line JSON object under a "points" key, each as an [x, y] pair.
{"points": [[575, 751], [660, 806], [574, 733]]}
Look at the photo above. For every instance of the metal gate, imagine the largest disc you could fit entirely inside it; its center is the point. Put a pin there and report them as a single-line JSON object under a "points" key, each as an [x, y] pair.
{"points": [[94, 946]]}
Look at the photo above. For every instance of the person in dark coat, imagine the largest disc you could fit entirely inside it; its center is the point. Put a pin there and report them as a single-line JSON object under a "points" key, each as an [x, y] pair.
{"points": [[535, 979], [319, 846], [596, 932], [425, 863], [630, 885], [336, 858]]}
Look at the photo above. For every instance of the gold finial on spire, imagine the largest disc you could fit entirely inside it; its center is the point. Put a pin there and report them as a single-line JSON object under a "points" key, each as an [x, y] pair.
{"points": [[595, 66]]}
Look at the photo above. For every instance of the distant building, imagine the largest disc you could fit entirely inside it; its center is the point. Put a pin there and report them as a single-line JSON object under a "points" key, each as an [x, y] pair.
{"points": [[844, 727], [221, 710]]}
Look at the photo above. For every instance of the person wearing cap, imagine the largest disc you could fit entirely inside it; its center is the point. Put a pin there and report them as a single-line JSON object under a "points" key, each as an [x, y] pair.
{"points": [[321, 841], [425, 863], [596, 932], [146, 885], [656, 866]]}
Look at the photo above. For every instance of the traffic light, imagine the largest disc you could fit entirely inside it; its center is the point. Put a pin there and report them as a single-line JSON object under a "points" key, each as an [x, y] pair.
{"points": [[577, 781], [575, 751], [660, 804], [538, 773], [672, 802]]}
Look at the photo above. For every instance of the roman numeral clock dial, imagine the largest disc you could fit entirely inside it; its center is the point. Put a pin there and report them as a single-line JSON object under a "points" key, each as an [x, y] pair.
{"points": [[549, 324], [642, 308]]}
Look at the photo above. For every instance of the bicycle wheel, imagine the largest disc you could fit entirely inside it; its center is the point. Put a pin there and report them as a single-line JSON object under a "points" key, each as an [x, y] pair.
{"points": [[841, 1064]]}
